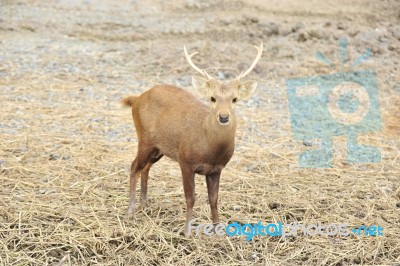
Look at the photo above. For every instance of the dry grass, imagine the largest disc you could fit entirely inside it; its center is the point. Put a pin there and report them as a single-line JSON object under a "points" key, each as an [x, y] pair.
{"points": [[64, 198], [66, 146]]}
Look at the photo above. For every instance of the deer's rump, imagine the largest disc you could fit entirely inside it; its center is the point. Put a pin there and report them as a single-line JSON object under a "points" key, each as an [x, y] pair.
{"points": [[152, 112]]}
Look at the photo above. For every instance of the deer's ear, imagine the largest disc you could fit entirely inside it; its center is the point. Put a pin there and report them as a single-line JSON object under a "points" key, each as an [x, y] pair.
{"points": [[246, 89], [201, 86]]}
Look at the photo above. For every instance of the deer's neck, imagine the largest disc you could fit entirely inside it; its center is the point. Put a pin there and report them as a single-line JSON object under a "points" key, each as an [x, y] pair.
{"points": [[219, 136]]}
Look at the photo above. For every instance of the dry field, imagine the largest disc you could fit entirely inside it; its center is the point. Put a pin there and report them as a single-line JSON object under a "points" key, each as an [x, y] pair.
{"points": [[66, 143]]}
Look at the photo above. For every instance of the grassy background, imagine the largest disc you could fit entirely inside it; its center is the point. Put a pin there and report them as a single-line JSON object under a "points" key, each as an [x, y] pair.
{"points": [[66, 144]]}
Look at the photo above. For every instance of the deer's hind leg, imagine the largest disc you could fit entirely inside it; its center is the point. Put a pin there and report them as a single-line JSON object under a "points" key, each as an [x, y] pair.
{"points": [[156, 156], [143, 157]]}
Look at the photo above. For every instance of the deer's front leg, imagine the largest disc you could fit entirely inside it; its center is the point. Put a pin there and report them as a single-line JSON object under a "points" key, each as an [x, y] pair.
{"points": [[189, 188], [213, 187]]}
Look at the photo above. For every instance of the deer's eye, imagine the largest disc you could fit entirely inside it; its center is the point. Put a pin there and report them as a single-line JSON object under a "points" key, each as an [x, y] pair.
{"points": [[234, 100], [213, 99]]}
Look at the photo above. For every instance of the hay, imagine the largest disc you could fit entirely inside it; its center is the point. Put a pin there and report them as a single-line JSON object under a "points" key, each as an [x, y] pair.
{"points": [[66, 147]]}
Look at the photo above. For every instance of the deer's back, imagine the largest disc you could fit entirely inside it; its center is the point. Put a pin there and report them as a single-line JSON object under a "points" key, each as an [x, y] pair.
{"points": [[166, 116]]}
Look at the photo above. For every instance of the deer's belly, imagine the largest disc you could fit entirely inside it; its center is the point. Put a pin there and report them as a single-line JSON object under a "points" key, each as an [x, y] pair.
{"points": [[208, 169]]}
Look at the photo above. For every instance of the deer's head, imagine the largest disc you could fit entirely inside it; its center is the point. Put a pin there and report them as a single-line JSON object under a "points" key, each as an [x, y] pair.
{"points": [[223, 95]]}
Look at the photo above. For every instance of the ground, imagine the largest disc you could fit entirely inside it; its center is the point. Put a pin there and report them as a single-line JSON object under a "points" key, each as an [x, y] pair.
{"points": [[66, 143]]}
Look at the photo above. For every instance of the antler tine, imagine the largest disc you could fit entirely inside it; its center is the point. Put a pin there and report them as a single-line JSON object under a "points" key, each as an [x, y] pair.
{"points": [[259, 53], [189, 59]]}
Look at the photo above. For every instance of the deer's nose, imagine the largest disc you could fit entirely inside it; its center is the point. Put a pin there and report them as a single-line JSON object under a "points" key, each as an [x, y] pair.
{"points": [[223, 118]]}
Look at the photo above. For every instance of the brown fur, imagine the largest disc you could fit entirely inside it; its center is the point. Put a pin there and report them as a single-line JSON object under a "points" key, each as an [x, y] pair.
{"points": [[128, 101], [171, 121]]}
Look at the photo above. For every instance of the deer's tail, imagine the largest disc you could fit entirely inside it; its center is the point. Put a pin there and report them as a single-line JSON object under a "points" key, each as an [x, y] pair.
{"points": [[129, 100]]}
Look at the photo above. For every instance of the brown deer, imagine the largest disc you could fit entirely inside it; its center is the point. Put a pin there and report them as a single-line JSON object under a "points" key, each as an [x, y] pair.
{"points": [[201, 138]]}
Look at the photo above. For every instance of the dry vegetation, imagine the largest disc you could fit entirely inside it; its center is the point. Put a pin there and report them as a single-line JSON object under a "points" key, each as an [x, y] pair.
{"points": [[66, 144]]}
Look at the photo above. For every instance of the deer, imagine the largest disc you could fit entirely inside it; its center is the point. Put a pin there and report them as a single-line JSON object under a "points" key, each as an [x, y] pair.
{"points": [[173, 122]]}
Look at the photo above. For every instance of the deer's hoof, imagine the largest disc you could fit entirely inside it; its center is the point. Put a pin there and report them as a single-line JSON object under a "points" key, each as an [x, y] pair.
{"points": [[144, 203], [131, 212]]}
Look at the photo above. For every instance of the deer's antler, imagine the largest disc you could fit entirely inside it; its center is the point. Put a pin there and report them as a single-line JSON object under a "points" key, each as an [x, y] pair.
{"points": [[259, 53], [189, 59]]}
